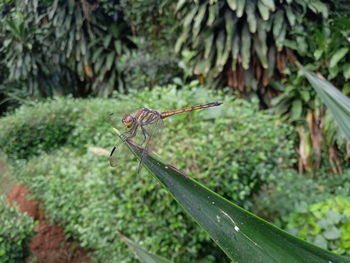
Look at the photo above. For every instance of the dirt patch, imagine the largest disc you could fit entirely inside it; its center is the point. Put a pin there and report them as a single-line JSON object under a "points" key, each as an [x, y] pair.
{"points": [[49, 244], [21, 197]]}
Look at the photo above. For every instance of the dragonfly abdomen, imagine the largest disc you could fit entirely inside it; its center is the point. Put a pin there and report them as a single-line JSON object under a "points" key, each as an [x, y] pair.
{"points": [[198, 107]]}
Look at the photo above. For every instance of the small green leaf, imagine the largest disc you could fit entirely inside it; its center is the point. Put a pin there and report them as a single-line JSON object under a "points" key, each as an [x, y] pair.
{"points": [[261, 47], [305, 95], [232, 4], [264, 11], [246, 42], [290, 15], [318, 53], [278, 22], [297, 108], [179, 5], [270, 4], [251, 16], [189, 17], [142, 254], [338, 56], [106, 40], [213, 12], [332, 234], [110, 59], [240, 8], [346, 71]]}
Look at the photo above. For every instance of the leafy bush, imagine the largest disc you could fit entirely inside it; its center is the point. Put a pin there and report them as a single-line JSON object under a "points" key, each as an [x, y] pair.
{"points": [[15, 230], [148, 67], [327, 224], [293, 193], [94, 200], [29, 132], [316, 209], [60, 47]]}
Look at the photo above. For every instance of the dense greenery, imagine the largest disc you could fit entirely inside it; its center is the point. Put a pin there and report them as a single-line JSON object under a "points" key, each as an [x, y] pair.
{"points": [[99, 47], [62, 47], [244, 42], [135, 201], [324, 223], [15, 231], [327, 52]]}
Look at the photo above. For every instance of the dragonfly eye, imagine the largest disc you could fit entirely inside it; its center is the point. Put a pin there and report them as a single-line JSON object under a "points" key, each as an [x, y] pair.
{"points": [[128, 120]]}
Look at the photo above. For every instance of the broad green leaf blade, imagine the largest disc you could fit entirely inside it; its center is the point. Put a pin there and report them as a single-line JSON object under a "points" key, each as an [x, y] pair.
{"points": [[336, 102], [143, 255], [338, 56], [241, 235]]}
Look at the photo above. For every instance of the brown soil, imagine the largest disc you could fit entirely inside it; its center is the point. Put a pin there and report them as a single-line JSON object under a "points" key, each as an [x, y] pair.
{"points": [[49, 244]]}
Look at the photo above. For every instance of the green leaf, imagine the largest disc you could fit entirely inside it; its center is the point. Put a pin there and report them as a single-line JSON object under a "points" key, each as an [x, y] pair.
{"points": [[235, 48], [213, 12], [260, 44], [246, 42], [270, 4], [338, 56], [232, 4], [290, 15], [346, 71], [110, 60], [208, 43], [336, 102], [278, 22], [106, 40], [297, 108], [332, 234], [241, 235], [97, 54], [179, 5], [264, 11], [240, 8], [198, 19], [143, 255], [189, 17], [251, 16]]}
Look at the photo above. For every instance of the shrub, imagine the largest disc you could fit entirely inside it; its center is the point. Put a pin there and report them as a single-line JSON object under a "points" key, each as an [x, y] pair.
{"points": [[327, 224], [293, 193], [32, 130], [313, 208], [217, 146], [15, 231]]}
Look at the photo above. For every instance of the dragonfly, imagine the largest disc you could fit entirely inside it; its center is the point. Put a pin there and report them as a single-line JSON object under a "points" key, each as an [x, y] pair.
{"points": [[148, 123]]}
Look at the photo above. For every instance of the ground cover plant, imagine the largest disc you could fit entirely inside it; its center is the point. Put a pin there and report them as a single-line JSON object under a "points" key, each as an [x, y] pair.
{"points": [[15, 231], [93, 200]]}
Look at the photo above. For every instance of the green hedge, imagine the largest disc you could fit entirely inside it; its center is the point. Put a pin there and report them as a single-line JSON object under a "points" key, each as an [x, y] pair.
{"points": [[15, 231], [232, 149], [327, 224]]}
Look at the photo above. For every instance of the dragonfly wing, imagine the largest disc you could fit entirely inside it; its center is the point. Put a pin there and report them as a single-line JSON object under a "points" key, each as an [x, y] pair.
{"points": [[153, 133], [113, 156]]}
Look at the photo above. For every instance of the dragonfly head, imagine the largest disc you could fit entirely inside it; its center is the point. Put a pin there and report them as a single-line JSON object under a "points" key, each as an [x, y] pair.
{"points": [[128, 120]]}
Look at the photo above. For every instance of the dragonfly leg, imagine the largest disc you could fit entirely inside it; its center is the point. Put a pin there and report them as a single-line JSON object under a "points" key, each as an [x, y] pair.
{"points": [[145, 134]]}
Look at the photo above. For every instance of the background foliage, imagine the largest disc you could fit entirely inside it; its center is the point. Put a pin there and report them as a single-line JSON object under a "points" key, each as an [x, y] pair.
{"points": [[94, 48], [326, 224], [135, 201], [15, 231], [243, 42], [60, 47]]}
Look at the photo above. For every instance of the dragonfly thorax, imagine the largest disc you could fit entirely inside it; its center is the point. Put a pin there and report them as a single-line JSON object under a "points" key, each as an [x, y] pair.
{"points": [[128, 120]]}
